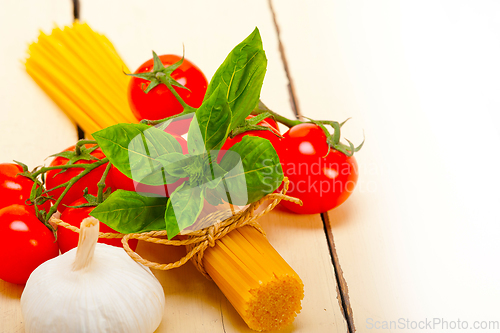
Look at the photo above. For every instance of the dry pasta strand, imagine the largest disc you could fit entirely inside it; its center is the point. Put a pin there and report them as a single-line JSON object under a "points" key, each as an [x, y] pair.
{"points": [[82, 72]]}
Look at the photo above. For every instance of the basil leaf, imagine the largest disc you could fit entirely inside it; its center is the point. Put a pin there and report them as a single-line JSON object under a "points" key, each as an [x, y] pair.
{"points": [[237, 192], [193, 166], [172, 166], [183, 208], [240, 77], [215, 192], [214, 119], [262, 172], [195, 141], [134, 149], [213, 171], [130, 212]]}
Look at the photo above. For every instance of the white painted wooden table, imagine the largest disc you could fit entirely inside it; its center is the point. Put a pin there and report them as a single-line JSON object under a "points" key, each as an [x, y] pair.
{"points": [[417, 243]]}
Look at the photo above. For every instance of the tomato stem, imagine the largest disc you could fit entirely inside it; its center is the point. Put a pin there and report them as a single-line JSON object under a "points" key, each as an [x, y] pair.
{"points": [[102, 183], [88, 168], [159, 121], [60, 167], [34, 195], [186, 107], [80, 143], [262, 108], [243, 129], [333, 140]]}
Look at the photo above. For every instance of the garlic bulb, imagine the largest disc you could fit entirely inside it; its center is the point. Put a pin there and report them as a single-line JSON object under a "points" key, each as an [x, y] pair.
{"points": [[94, 288]]}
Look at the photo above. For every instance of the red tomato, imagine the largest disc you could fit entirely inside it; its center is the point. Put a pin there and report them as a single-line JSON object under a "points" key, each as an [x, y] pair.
{"points": [[68, 239], [322, 183], [160, 103], [118, 180], [25, 243], [14, 188], [272, 137], [90, 180]]}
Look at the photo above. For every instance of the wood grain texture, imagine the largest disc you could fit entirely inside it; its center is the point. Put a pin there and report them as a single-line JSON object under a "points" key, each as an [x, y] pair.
{"points": [[418, 237], [32, 125], [208, 31], [195, 304]]}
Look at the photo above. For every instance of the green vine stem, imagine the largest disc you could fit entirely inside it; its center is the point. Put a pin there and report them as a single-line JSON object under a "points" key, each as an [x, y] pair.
{"points": [[102, 184], [34, 197], [36, 190], [159, 121], [262, 108], [162, 75], [333, 140], [187, 108], [80, 143]]}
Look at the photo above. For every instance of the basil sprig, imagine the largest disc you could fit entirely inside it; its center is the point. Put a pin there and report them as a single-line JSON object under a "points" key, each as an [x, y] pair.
{"points": [[240, 77], [248, 171]]}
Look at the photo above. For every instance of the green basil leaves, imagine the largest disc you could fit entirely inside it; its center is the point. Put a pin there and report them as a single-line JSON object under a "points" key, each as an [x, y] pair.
{"points": [[240, 77], [134, 149], [247, 172], [214, 119], [130, 212], [260, 170]]}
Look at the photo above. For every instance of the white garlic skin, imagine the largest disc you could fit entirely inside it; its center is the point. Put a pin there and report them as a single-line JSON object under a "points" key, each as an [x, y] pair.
{"points": [[113, 294]]}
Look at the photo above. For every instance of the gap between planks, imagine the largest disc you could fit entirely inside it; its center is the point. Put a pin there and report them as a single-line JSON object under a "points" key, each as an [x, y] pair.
{"points": [[76, 16], [344, 301], [342, 288]]}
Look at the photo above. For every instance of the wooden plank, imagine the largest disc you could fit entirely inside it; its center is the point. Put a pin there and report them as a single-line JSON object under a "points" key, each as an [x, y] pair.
{"points": [[417, 238], [209, 32], [194, 304], [32, 126]]}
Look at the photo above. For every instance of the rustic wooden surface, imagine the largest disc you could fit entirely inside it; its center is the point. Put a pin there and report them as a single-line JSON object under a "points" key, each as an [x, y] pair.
{"points": [[418, 240], [208, 30]]}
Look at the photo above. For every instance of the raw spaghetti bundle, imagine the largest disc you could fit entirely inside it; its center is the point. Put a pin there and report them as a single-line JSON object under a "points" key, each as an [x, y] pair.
{"points": [[82, 72], [236, 255]]}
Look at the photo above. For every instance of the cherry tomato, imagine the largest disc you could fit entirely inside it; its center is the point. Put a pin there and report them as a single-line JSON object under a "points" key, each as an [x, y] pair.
{"points": [[118, 180], [271, 136], [89, 181], [160, 103], [321, 181], [14, 188], [25, 243], [68, 239]]}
